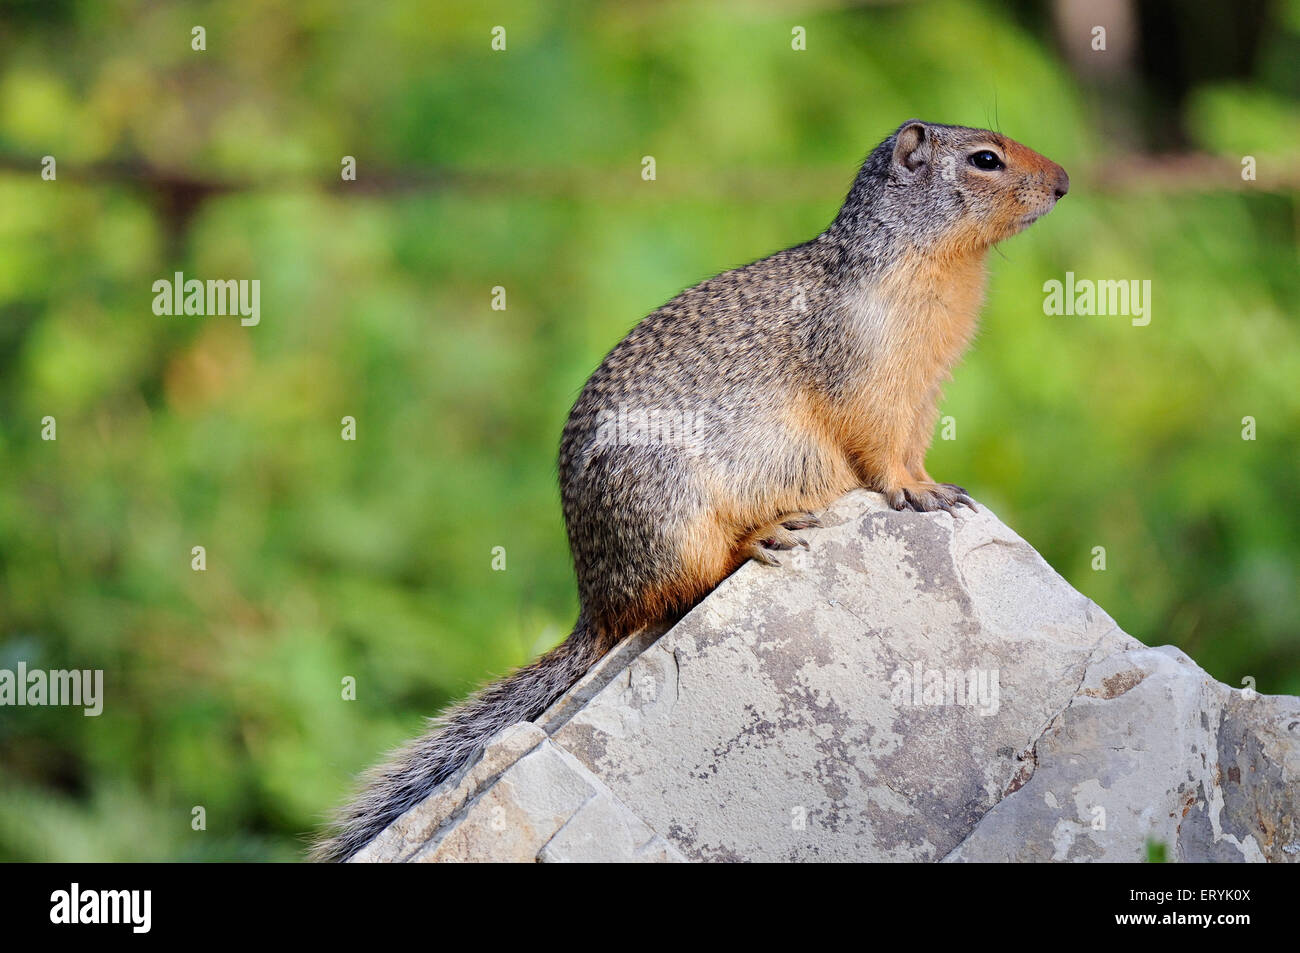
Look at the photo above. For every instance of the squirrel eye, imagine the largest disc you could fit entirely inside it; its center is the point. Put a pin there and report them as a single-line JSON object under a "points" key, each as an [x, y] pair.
{"points": [[986, 160]]}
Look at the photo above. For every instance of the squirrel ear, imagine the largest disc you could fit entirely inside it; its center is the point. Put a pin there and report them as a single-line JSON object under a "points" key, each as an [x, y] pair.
{"points": [[912, 146]]}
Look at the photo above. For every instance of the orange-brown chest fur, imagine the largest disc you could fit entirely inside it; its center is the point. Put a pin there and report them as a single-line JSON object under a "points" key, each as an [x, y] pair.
{"points": [[908, 331]]}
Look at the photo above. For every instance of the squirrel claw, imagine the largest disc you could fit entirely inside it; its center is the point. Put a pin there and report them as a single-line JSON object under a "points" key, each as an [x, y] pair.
{"points": [[760, 555], [778, 537], [962, 497], [930, 498], [802, 521]]}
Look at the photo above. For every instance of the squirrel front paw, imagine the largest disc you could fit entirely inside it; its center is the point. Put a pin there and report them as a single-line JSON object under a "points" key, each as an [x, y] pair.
{"points": [[929, 497]]}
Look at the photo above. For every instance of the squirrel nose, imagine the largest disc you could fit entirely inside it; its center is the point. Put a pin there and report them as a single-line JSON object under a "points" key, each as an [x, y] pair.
{"points": [[1062, 184]]}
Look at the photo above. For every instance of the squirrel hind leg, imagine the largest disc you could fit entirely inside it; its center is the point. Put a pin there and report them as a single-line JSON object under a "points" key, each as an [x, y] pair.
{"points": [[659, 572], [776, 535]]}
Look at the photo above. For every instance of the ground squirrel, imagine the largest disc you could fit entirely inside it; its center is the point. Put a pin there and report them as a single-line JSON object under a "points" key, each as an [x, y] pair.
{"points": [[775, 388]]}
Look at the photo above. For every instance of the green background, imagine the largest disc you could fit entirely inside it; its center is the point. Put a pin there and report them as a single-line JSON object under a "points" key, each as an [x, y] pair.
{"points": [[522, 169]]}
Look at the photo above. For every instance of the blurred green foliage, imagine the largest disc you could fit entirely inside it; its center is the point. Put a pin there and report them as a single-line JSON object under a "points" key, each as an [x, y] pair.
{"points": [[522, 169]]}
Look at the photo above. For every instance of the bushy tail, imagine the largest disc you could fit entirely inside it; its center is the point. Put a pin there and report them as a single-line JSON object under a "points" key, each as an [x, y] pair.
{"points": [[455, 739]]}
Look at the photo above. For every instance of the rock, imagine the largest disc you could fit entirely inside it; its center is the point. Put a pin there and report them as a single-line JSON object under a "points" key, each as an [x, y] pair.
{"points": [[1152, 748], [914, 687], [526, 799]]}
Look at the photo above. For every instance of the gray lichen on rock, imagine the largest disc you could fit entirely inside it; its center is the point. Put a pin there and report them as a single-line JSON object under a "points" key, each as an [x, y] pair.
{"points": [[914, 687]]}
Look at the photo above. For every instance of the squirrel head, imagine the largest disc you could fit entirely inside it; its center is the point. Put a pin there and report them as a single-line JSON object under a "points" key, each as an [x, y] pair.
{"points": [[950, 188]]}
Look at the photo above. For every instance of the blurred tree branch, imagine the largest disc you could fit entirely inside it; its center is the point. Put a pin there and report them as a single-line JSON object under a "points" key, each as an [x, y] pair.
{"points": [[179, 194]]}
